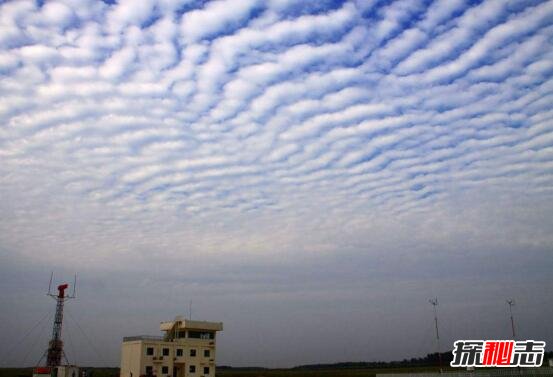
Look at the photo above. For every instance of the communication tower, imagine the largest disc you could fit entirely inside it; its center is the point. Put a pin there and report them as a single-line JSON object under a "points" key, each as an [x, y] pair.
{"points": [[55, 353]]}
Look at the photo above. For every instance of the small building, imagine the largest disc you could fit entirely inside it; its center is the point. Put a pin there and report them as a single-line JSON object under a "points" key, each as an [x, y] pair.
{"points": [[187, 349], [58, 371]]}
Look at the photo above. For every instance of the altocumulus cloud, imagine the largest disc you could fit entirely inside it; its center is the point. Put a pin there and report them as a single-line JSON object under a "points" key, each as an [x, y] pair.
{"points": [[192, 135]]}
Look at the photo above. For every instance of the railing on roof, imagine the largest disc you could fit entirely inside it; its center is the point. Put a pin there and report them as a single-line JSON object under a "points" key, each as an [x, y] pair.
{"points": [[142, 337]]}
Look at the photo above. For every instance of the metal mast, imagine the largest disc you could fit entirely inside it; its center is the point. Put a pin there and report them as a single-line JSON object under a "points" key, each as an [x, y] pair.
{"points": [[434, 303], [55, 346], [511, 303]]}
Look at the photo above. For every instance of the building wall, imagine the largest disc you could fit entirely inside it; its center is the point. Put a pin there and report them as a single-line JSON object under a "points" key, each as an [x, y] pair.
{"points": [[135, 360], [131, 359], [68, 371]]}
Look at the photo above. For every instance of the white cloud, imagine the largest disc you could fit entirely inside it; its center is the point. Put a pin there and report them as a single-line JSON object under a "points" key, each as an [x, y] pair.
{"points": [[215, 17], [129, 12], [57, 14], [118, 64]]}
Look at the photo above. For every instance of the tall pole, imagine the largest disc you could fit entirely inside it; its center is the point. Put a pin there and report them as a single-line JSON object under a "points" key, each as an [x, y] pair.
{"points": [[55, 346], [511, 303], [434, 303]]}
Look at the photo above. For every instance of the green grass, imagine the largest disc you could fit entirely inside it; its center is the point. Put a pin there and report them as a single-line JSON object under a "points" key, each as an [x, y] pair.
{"points": [[27, 372], [249, 372], [317, 373], [15, 372]]}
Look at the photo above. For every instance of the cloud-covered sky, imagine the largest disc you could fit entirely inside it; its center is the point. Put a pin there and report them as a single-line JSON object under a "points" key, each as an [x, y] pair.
{"points": [[307, 172]]}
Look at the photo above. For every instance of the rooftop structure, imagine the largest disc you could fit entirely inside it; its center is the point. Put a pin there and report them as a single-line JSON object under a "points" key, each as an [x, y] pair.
{"points": [[187, 349]]}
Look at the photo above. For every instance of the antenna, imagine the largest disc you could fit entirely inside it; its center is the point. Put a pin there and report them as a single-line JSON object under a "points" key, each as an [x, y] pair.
{"points": [[190, 310], [55, 352], [50, 284], [511, 303], [434, 303], [74, 286]]}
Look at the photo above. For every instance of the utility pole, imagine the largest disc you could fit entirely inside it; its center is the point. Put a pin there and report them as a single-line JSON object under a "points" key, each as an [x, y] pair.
{"points": [[511, 303], [434, 303]]}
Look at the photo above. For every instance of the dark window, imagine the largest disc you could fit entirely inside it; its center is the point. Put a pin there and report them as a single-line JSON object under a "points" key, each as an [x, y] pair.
{"points": [[206, 353], [150, 351], [164, 370], [192, 369], [201, 335], [179, 351], [166, 352], [192, 352], [182, 334], [206, 370], [149, 370]]}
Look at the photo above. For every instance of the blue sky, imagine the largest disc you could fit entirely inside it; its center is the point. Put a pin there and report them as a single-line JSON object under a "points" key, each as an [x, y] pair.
{"points": [[285, 164]]}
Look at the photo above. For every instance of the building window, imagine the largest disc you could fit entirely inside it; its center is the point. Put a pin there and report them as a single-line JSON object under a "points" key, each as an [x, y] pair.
{"points": [[166, 352], [164, 370], [206, 370], [201, 335], [206, 353], [192, 369], [149, 370], [179, 351], [150, 351], [192, 353]]}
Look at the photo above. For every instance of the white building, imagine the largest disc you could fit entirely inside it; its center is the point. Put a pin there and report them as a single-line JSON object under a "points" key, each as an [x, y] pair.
{"points": [[186, 350]]}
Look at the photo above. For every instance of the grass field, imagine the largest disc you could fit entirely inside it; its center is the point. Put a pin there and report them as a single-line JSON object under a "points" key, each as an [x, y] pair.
{"points": [[27, 372], [316, 373], [237, 372]]}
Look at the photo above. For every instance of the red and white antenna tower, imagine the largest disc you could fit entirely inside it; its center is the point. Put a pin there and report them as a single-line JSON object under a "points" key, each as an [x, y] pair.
{"points": [[55, 346]]}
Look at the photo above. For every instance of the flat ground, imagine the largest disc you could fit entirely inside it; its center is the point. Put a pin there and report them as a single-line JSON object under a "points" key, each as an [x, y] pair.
{"points": [[114, 372], [331, 372]]}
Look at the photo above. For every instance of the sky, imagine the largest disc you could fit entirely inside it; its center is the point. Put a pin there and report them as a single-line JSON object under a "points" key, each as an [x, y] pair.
{"points": [[310, 173]]}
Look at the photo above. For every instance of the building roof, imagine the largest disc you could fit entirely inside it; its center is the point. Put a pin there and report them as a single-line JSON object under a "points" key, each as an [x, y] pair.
{"points": [[187, 324], [142, 337]]}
